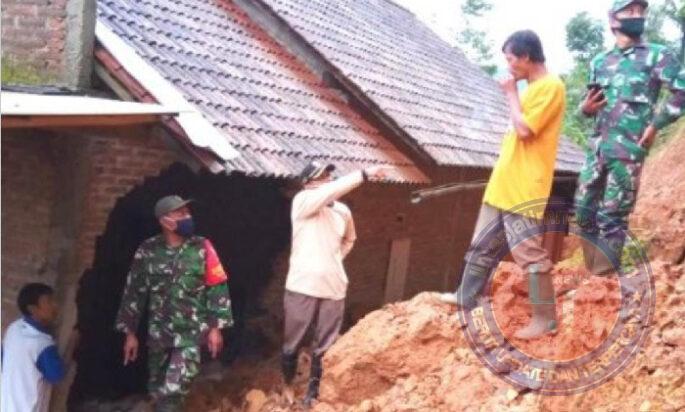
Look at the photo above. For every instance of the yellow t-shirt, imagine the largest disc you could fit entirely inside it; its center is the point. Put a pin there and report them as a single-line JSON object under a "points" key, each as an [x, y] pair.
{"points": [[524, 171]]}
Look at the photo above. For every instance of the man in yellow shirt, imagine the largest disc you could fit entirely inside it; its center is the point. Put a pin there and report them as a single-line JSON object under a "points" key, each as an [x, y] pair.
{"points": [[519, 186]]}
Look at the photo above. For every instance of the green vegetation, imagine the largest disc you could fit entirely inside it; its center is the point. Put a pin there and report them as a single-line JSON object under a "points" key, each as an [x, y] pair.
{"points": [[584, 39], [15, 73], [659, 14], [474, 42], [634, 253]]}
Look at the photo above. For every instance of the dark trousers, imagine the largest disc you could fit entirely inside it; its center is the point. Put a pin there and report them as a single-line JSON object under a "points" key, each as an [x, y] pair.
{"points": [[302, 311]]}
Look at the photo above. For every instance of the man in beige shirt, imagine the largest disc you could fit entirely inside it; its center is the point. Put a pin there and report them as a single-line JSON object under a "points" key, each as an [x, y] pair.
{"points": [[322, 236]]}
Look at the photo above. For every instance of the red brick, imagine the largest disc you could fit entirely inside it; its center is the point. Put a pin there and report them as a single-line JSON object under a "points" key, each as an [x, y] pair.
{"points": [[27, 197]]}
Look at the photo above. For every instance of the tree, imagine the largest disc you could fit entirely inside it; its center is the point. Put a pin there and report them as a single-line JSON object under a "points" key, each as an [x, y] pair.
{"points": [[584, 36], [676, 12], [659, 14], [476, 43], [476, 8], [584, 39]]}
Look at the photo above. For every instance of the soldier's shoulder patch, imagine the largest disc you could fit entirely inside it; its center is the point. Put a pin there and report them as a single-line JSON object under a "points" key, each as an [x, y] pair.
{"points": [[214, 271]]}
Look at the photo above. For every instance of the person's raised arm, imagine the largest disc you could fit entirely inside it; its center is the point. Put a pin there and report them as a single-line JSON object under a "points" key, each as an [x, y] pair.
{"points": [[312, 200], [515, 111]]}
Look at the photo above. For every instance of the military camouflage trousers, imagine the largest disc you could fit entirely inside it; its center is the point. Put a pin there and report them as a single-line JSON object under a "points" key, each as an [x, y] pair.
{"points": [[606, 195], [171, 372]]}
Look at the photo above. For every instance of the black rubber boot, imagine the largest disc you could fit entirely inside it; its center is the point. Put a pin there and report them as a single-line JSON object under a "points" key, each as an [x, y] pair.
{"points": [[314, 380], [289, 367], [608, 256]]}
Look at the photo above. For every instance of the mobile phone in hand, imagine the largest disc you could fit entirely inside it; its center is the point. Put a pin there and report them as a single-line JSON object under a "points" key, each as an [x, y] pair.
{"points": [[592, 87]]}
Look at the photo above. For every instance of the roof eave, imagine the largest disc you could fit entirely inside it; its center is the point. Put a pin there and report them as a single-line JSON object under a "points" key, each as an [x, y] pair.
{"points": [[193, 131]]}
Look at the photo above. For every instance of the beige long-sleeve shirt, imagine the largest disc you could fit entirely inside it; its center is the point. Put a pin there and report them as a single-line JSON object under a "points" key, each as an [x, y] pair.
{"points": [[323, 234]]}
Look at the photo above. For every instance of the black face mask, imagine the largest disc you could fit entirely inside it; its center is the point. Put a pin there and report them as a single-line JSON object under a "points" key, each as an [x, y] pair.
{"points": [[185, 227], [633, 27]]}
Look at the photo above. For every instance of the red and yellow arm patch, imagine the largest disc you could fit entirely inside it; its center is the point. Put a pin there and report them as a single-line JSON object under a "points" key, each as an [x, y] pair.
{"points": [[214, 272]]}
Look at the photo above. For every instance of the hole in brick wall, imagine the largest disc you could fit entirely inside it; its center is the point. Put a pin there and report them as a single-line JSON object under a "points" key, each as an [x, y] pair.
{"points": [[248, 222]]}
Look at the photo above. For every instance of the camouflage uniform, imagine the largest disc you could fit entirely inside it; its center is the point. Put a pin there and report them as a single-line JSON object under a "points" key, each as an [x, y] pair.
{"points": [[607, 189], [181, 309]]}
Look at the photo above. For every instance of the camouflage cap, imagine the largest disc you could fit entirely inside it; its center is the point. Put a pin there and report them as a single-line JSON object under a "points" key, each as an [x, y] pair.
{"points": [[169, 204], [622, 4]]}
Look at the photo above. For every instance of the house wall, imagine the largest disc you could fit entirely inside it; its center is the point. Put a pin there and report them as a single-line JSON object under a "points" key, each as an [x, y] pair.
{"points": [[439, 230], [117, 163], [57, 191], [58, 188], [29, 186]]}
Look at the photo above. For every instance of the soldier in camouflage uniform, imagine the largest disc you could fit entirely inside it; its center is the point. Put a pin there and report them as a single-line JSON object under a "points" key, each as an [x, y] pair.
{"points": [[181, 279], [624, 87]]}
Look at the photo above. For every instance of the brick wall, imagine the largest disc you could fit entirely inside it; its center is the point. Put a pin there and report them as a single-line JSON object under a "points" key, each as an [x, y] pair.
{"points": [[34, 34], [117, 163], [57, 193], [48, 42], [28, 194]]}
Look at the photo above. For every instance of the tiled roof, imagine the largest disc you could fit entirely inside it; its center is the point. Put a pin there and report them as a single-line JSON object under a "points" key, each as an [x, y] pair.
{"points": [[269, 105], [450, 107]]}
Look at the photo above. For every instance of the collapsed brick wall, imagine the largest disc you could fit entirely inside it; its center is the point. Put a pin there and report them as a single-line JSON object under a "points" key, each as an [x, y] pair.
{"points": [[247, 221], [28, 194]]}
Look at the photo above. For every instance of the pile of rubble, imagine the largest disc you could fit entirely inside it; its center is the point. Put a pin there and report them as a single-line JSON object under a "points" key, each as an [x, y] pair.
{"points": [[413, 356], [659, 217]]}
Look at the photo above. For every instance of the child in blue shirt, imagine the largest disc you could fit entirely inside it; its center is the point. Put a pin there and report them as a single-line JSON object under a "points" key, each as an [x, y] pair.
{"points": [[30, 361]]}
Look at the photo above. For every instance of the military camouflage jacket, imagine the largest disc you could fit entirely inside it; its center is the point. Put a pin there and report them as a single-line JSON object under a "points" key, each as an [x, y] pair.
{"points": [[172, 282], [632, 79]]}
